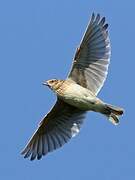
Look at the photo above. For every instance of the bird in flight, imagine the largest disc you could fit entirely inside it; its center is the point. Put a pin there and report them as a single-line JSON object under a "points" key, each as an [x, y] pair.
{"points": [[77, 94]]}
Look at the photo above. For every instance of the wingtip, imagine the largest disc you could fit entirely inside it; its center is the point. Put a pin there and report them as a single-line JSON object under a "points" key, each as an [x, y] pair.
{"points": [[93, 14], [32, 159], [102, 22], [39, 157], [105, 26], [23, 152], [98, 16], [92, 17]]}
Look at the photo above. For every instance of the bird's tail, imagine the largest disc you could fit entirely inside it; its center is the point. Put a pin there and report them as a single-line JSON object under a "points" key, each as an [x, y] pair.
{"points": [[113, 113]]}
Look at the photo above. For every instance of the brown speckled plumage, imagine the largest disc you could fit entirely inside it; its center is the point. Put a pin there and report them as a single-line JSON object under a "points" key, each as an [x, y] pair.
{"points": [[77, 94]]}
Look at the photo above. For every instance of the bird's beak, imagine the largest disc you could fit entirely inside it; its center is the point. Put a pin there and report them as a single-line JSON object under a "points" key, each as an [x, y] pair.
{"points": [[45, 83]]}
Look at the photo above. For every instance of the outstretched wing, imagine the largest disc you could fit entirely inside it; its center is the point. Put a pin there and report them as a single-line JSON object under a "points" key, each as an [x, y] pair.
{"points": [[57, 128], [92, 57]]}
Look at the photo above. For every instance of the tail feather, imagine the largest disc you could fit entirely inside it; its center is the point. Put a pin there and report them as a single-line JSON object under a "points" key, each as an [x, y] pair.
{"points": [[115, 110], [113, 113], [114, 119]]}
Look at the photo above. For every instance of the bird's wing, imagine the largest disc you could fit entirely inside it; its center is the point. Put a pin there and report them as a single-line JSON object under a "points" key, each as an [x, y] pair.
{"points": [[57, 127], [92, 57]]}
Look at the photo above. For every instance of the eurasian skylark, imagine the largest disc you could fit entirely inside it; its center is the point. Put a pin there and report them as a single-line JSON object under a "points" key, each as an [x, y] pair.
{"points": [[77, 94]]}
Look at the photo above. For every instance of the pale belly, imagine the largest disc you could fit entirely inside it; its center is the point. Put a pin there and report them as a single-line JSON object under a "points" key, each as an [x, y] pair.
{"points": [[79, 102], [82, 98]]}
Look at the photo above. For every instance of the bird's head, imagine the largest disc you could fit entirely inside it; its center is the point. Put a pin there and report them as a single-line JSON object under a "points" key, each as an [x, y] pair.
{"points": [[53, 83]]}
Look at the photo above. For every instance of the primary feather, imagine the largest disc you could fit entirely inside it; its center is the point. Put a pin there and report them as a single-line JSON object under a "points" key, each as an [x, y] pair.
{"points": [[90, 65]]}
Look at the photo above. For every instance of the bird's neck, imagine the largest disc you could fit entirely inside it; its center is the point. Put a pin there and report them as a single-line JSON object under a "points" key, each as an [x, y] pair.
{"points": [[57, 86]]}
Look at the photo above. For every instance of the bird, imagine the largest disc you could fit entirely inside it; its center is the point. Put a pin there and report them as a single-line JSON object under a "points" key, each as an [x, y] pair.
{"points": [[77, 94]]}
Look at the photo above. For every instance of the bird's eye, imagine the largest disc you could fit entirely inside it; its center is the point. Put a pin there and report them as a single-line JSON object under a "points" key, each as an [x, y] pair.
{"points": [[52, 81]]}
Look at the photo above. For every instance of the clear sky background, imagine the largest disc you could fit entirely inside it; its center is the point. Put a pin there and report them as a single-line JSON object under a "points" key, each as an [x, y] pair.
{"points": [[37, 42]]}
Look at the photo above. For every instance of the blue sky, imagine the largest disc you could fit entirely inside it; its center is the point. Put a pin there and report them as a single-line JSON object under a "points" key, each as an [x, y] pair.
{"points": [[37, 42]]}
